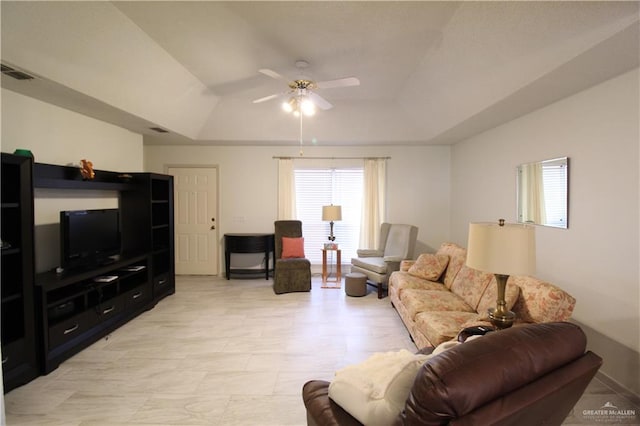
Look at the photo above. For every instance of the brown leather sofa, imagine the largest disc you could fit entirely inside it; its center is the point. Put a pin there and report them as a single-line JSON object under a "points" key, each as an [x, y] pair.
{"points": [[527, 375]]}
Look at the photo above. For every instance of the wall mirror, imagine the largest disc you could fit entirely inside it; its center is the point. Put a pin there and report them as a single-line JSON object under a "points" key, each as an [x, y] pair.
{"points": [[543, 192]]}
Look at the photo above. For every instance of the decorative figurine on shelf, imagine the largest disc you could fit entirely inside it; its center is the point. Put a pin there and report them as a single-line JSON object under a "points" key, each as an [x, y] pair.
{"points": [[86, 170]]}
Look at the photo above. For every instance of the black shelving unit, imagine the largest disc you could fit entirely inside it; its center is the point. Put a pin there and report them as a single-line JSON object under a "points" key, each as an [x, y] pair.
{"points": [[79, 307], [150, 224], [162, 235], [48, 317], [19, 361]]}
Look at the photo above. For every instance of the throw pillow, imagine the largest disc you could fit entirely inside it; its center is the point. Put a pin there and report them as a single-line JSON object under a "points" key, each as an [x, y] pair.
{"points": [[429, 266], [376, 390], [292, 247]]}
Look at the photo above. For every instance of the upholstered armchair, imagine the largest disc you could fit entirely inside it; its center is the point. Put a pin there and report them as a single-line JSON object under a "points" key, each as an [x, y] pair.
{"points": [[292, 272], [397, 242]]}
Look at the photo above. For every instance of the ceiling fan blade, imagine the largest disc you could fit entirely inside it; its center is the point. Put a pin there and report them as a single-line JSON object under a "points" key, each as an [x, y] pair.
{"points": [[266, 98], [340, 82], [320, 102], [271, 73]]}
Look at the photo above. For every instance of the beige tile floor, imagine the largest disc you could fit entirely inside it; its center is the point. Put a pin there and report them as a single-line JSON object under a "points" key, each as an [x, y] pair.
{"points": [[218, 352]]}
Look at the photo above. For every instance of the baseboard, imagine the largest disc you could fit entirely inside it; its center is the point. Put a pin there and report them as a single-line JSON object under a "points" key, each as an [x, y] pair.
{"points": [[621, 366]]}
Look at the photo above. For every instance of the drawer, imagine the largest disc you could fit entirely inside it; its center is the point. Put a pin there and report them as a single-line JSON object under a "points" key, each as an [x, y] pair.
{"points": [[162, 285], [70, 328], [161, 282], [137, 297], [13, 354], [108, 309]]}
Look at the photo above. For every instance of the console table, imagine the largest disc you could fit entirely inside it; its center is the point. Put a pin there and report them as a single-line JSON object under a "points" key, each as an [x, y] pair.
{"points": [[248, 243]]}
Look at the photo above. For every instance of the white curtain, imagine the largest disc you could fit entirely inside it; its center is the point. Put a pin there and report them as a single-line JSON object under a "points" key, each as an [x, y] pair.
{"points": [[532, 190], [373, 202], [286, 190]]}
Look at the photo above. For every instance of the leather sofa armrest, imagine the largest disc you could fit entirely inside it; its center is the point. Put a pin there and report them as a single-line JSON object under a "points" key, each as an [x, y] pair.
{"points": [[427, 350], [322, 410], [369, 253]]}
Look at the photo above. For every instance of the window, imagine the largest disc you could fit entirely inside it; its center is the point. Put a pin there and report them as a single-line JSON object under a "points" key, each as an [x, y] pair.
{"points": [[319, 187], [554, 176]]}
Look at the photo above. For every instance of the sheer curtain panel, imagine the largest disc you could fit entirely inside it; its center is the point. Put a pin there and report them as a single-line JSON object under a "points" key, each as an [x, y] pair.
{"points": [[374, 196], [286, 190]]}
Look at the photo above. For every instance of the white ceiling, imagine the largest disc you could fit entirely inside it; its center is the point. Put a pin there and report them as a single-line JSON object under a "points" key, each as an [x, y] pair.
{"points": [[430, 72]]}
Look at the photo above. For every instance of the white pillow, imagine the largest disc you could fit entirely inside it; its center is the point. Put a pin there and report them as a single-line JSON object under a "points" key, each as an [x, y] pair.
{"points": [[376, 390]]}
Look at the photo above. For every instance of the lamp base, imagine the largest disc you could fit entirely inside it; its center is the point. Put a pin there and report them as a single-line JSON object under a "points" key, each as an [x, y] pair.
{"points": [[501, 320], [331, 237]]}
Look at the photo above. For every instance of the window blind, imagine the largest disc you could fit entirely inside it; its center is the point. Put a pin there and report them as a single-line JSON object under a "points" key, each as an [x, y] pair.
{"points": [[554, 178], [319, 187]]}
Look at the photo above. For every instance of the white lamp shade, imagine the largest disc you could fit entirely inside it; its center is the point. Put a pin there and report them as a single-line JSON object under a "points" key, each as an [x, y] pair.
{"points": [[507, 250], [331, 213]]}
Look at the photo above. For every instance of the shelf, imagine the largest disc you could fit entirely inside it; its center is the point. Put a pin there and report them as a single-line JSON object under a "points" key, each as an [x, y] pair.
{"points": [[52, 280], [69, 177], [11, 298], [10, 251]]}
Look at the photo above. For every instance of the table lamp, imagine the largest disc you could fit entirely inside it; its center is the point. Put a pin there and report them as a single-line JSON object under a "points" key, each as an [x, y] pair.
{"points": [[501, 249], [331, 213]]}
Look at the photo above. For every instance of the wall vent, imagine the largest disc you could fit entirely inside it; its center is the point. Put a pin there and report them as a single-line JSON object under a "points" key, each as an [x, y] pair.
{"points": [[12, 72], [159, 130]]}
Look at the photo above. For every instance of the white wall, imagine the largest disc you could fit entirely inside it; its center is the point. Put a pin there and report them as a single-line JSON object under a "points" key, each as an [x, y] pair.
{"points": [[418, 183], [596, 259], [59, 136]]}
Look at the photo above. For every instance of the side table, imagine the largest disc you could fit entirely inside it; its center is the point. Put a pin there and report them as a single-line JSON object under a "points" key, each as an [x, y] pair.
{"points": [[325, 275], [248, 243]]}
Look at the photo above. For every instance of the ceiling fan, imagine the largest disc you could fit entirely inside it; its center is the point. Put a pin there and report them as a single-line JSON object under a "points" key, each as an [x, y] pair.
{"points": [[301, 96]]}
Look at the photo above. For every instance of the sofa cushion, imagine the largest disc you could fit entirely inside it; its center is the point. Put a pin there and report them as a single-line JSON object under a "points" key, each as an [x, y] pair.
{"points": [[429, 266], [457, 257], [442, 326], [376, 264], [416, 301], [406, 264], [490, 295], [541, 301], [375, 391], [470, 284], [401, 281], [292, 247]]}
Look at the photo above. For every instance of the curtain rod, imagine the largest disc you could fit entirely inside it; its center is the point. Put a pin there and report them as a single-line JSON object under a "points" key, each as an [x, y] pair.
{"points": [[288, 157]]}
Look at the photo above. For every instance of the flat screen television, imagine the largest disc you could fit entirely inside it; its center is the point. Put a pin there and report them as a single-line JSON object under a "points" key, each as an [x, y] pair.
{"points": [[89, 237]]}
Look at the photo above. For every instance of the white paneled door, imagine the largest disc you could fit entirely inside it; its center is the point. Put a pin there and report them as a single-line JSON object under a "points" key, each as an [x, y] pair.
{"points": [[196, 224]]}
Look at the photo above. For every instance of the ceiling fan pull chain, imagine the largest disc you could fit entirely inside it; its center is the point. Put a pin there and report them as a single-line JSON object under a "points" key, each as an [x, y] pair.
{"points": [[301, 153]]}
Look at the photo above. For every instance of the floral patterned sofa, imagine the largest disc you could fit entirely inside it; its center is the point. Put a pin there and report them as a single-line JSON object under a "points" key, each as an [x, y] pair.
{"points": [[437, 295]]}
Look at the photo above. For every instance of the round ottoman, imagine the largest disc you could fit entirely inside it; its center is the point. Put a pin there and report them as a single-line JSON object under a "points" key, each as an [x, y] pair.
{"points": [[355, 284]]}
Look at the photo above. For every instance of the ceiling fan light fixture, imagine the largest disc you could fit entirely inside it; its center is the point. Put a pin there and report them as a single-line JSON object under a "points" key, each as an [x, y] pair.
{"points": [[290, 105], [308, 107]]}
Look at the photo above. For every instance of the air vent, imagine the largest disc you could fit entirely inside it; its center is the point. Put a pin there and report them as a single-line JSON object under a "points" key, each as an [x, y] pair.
{"points": [[18, 75], [159, 130]]}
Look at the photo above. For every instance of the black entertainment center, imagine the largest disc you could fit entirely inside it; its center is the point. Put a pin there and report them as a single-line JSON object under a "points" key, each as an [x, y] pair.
{"points": [[50, 316]]}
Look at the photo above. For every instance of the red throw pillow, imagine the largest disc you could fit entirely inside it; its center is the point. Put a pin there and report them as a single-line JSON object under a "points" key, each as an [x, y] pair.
{"points": [[292, 247]]}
